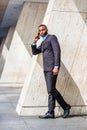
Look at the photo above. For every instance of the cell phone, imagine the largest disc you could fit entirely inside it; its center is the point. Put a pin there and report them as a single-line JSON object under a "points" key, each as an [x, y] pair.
{"points": [[38, 35]]}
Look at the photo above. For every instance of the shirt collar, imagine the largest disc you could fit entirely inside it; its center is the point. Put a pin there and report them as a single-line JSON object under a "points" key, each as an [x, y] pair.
{"points": [[45, 37]]}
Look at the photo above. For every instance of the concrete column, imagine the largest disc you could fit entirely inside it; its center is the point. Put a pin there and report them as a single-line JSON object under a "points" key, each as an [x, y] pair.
{"points": [[5, 48], [19, 59], [67, 20]]}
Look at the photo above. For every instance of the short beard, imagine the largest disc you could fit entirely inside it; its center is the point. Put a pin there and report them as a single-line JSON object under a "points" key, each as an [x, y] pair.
{"points": [[45, 34]]}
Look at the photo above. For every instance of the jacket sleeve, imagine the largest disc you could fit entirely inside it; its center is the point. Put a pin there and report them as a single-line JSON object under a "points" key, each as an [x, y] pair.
{"points": [[56, 51], [35, 50]]}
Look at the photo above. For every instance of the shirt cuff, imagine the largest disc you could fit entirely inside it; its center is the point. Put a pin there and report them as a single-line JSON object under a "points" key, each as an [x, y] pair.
{"points": [[33, 44], [56, 67]]}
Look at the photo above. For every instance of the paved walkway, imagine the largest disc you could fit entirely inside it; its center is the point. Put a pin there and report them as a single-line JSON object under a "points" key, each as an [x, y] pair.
{"points": [[9, 120]]}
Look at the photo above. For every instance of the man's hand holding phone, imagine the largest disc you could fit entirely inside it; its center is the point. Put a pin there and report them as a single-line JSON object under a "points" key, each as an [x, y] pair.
{"points": [[36, 38]]}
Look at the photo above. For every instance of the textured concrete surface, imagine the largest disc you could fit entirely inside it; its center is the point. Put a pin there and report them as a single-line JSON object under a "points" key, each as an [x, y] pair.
{"points": [[68, 20], [9, 120], [18, 61], [4, 49], [9, 13]]}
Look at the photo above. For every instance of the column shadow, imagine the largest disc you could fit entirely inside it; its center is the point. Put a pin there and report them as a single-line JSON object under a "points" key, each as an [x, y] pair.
{"points": [[70, 91], [82, 8], [2, 60], [2, 63]]}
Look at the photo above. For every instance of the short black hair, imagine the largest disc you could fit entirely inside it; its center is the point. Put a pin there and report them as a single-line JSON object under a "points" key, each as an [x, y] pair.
{"points": [[42, 25]]}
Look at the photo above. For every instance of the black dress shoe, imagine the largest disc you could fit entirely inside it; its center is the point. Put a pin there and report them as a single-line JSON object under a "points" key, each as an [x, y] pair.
{"points": [[67, 111], [47, 116]]}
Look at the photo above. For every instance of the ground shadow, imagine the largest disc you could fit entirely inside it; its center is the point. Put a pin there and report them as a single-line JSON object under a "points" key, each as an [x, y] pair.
{"points": [[74, 115]]}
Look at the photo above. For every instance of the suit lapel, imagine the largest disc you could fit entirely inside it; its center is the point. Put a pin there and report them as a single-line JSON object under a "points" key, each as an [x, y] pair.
{"points": [[44, 43]]}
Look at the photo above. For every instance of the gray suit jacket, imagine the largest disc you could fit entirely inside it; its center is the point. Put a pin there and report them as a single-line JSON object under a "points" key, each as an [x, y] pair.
{"points": [[51, 52]]}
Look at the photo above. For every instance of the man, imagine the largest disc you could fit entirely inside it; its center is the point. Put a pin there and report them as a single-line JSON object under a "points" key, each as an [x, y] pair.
{"points": [[51, 61]]}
